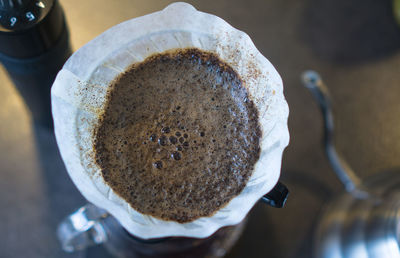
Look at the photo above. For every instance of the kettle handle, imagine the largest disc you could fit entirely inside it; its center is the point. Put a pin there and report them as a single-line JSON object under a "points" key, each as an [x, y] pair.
{"points": [[82, 229]]}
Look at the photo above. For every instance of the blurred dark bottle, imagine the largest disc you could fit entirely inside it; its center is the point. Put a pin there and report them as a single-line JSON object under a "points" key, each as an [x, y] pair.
{"points": [[34, 45]]}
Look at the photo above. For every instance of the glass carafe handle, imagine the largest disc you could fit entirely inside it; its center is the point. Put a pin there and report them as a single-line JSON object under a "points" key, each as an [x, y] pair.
{"points": [[82, 229]]}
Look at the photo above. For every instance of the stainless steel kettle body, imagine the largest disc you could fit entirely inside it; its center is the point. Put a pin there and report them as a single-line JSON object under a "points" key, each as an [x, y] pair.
{"points": [[365, 226]]}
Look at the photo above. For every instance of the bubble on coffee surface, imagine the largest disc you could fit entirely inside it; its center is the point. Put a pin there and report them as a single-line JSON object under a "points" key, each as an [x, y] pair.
{"points": [[165, 130], [175, 155], [173, 139], [158, 164], [162, 140], [153, 137]]}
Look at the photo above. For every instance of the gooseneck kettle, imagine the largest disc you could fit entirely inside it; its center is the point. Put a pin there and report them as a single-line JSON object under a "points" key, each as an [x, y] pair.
{"points": [[364, 220]]}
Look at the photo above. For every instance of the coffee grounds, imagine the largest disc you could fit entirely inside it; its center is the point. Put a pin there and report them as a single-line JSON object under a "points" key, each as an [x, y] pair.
{"points": [[179, 136]]}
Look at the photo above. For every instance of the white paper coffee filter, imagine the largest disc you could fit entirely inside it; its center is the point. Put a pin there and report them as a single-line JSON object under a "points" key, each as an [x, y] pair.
{"points": [[78, 98]]}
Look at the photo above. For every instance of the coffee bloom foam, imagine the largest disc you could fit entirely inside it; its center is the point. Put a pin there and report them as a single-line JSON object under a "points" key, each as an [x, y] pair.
{"points": [[79, 96]]}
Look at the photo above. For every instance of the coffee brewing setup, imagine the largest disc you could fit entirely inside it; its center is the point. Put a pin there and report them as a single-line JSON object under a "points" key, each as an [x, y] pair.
{"points": [[363, 221]]}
